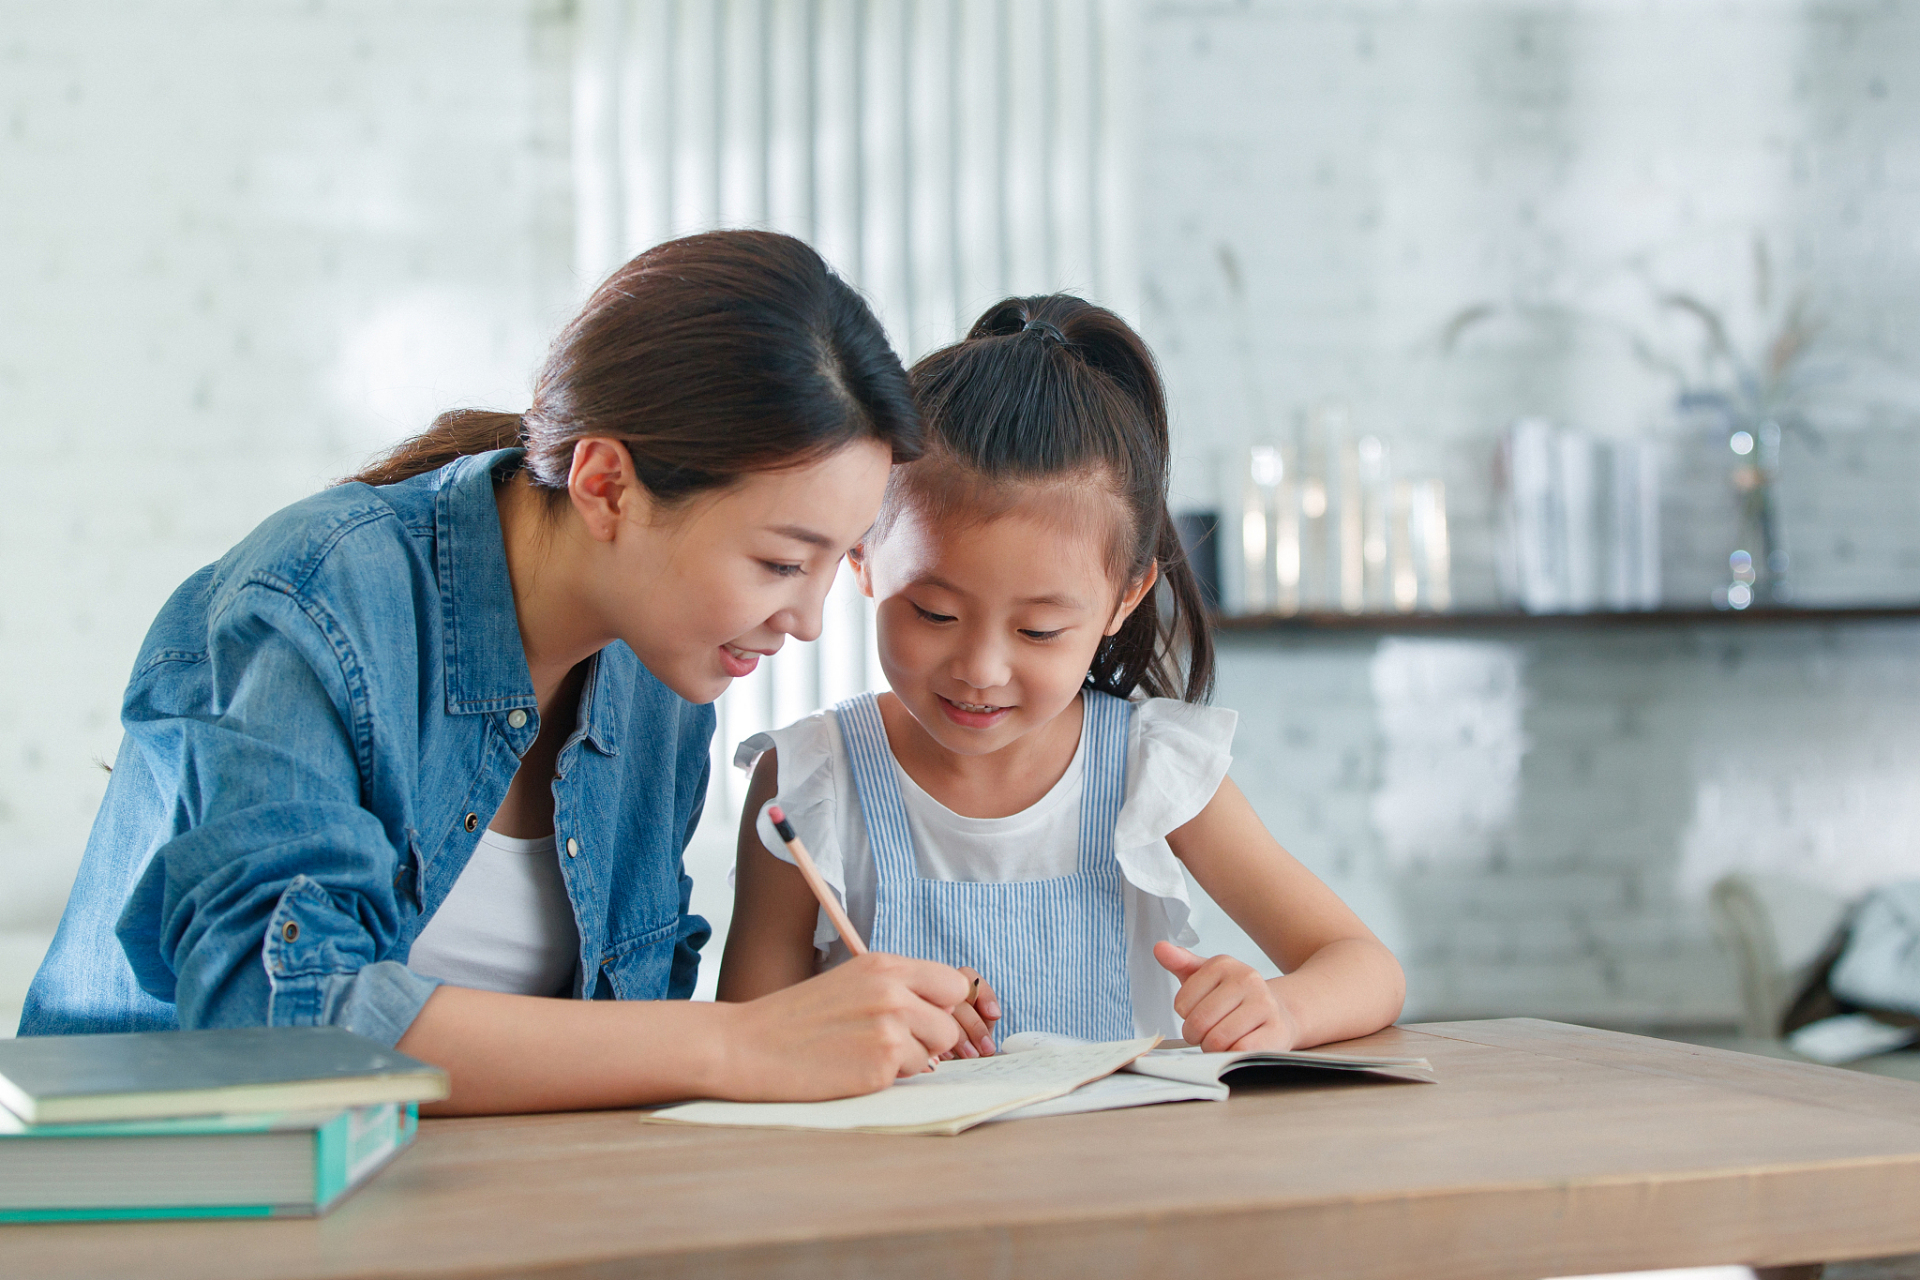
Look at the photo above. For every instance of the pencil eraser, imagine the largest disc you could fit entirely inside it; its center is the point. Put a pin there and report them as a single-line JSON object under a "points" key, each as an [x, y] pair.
{"points": [[775, 814]]}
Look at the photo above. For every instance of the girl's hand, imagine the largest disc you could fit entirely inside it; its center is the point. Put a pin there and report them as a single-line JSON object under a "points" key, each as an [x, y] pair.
{"points": [[1225, 1003], [976, 1017], [849, 1031]]}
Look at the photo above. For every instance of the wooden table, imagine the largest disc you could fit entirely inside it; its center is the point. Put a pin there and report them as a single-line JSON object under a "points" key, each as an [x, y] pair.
{"points": [[1546, 1150]]}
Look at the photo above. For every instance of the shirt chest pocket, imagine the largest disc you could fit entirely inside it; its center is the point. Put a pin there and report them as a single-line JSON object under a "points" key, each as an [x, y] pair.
{"points": [[639, 966]]}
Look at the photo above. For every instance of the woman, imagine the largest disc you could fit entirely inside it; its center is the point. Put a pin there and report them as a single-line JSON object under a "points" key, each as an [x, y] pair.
{"points": [[421, 753]]}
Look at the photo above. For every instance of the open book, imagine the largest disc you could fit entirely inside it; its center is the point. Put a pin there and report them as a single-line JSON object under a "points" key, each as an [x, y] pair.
{"points": [[956, 1095], [1034, 1075], [1183, 1073]]}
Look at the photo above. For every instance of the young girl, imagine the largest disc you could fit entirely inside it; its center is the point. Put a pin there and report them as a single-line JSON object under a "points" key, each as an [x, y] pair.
{"points": [[1014, 806]]}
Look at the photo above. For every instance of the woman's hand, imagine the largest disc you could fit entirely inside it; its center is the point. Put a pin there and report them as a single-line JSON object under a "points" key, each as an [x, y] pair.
{"points": [[1225, 1003], [976, 1016], [849, 1031]]}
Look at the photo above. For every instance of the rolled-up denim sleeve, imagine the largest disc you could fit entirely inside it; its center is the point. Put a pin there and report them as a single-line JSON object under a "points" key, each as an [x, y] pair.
{"points": [[276, 904], [378, 1000]]}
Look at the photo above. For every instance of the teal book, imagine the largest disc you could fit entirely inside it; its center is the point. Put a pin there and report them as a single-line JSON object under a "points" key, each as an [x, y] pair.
{"points": [[148, 1075], [268, 1165]]}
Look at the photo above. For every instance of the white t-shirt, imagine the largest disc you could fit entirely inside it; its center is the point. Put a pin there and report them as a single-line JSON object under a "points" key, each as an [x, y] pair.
{"points": [[1177, 755], [506, 925]]}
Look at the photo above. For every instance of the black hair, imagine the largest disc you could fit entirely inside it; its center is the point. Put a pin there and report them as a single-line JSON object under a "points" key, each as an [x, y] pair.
{"points": [[1055, 389], [710, 357]]}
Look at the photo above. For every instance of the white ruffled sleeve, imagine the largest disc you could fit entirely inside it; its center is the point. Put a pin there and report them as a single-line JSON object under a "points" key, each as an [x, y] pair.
{"points": [[1177, 755], [808, 789]]}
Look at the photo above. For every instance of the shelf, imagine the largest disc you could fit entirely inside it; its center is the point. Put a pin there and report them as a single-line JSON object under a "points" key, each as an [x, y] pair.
{"points": [[1253, 625]]}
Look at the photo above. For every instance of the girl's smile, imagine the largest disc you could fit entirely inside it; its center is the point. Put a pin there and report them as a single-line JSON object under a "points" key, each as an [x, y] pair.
{"points": [[972, 715], [986, 629]]}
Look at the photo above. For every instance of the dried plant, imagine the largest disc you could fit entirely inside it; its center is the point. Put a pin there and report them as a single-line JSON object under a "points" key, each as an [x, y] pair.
{"points": [[1767, 384], [1757, 392]]}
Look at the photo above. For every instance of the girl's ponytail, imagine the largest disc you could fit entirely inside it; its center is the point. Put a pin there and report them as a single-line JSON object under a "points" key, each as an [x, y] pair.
{"points": [[1052, 387], [1173, 618]]}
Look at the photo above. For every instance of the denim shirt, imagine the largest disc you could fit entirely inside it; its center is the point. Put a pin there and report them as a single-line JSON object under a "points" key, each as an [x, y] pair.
{"points": [[318, 729]]}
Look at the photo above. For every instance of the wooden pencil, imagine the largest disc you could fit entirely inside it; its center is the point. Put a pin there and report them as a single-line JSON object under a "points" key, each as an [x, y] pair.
{"points": [[828, 903]]}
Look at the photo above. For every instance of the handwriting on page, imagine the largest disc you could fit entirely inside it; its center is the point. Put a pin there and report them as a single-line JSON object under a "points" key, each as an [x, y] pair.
{"points": [[952, 1097], [1038, 1067]]}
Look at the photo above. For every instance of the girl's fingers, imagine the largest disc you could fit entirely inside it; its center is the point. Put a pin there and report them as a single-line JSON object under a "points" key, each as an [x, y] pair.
{"points": [[1264, 1036], [1196, 989], [1193, 991], [1206, 1015], [1178, 961], [1237, 1025]]}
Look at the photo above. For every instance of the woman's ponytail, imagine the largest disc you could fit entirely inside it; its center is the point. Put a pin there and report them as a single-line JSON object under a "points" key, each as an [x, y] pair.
{"points": [[709, 357], [454, 434]]}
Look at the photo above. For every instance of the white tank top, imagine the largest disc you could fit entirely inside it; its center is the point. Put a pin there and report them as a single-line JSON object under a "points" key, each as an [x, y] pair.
{"points": [[507, 925]]}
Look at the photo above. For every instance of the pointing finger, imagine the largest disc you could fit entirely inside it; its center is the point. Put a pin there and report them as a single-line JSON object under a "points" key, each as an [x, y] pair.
{"points": [[1178, 961]]}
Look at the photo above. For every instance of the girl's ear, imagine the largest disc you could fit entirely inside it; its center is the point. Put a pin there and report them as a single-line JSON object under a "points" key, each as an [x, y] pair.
{"points": [[857, 561], [1135, 594]]}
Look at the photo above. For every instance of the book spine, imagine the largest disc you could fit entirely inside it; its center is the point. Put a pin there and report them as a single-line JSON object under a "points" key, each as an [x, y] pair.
{"points": [[353, 1144]]}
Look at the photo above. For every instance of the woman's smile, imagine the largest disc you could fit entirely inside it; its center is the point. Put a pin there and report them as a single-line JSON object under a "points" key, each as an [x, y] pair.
{"points": [[741, 662]]}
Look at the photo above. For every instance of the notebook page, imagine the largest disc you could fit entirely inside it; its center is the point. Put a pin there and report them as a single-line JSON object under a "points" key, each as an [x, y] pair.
{"points": [[954, 1096], [1110, 1093], [1192, 1066], [1186, 1063]]}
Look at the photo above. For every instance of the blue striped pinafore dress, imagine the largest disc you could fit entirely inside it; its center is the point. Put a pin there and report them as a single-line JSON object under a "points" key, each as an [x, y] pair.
{"points": [[1055, 951]]}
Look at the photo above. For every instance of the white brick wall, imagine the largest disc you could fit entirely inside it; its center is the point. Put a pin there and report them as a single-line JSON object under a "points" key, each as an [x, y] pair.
{"points": [[1324, 185], [1532, 821], [243, 243], [1554, 860]]}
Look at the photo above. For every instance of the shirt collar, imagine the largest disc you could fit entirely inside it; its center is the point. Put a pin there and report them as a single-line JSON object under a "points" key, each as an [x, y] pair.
{"points": [[612, 668], [486, 659]]}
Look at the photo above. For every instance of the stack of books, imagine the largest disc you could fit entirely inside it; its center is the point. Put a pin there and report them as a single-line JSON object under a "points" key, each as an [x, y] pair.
{"points": [[251, 1122]]}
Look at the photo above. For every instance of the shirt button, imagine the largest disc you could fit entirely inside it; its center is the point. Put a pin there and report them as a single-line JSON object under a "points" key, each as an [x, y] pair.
{"points": [[471, 821], [290, 931], [573, 847], [517, 718]]}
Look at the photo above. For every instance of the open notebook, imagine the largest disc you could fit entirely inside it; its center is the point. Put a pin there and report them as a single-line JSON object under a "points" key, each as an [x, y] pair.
{"points": [[1183, 1073], [955, 1096], [1034, 1075]]}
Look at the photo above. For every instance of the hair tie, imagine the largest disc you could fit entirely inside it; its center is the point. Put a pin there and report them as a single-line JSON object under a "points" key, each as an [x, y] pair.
{"points": [[1047, 330]]}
